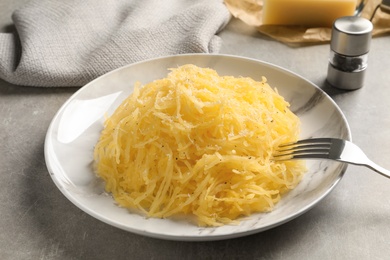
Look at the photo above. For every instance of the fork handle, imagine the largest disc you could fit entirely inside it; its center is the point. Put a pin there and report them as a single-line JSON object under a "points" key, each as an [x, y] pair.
{"points": [[378, 169]]}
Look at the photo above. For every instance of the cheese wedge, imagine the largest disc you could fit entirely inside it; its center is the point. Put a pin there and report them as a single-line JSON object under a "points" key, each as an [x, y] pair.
{"points": [[314, 13]]}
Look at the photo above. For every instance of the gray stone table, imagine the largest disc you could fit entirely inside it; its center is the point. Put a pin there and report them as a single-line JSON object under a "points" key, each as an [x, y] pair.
{"points": [[353, 222]]}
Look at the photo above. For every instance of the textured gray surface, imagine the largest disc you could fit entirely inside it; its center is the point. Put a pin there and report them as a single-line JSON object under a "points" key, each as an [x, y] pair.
{"points": [[353, 222]]}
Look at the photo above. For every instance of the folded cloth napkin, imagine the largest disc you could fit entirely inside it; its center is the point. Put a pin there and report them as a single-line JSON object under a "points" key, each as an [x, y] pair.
{"points": [[69, 43]]}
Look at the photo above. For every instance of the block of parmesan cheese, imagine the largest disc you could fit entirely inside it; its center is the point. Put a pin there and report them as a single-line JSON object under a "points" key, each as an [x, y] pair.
{"points": [[314, 13]]}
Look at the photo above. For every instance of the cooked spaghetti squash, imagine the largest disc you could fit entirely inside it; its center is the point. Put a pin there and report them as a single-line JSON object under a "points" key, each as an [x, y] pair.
{"points": [[198, 144]]}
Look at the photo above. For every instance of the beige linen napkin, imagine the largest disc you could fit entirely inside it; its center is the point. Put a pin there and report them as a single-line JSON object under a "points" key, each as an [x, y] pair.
{"points": [[250, 12], [71, 42]]}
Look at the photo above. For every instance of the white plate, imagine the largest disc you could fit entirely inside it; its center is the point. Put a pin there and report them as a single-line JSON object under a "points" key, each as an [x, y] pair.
{"points": [[76, 127]]}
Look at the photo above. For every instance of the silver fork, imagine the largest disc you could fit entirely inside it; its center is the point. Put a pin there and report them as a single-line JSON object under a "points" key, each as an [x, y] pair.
{"points": [[327, 148]]}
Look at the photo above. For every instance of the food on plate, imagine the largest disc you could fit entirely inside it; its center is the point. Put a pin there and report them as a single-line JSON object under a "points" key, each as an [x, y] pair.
{"points": [[198, 144]]}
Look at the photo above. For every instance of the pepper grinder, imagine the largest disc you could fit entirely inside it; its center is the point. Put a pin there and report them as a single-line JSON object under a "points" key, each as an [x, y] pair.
{"points": [[349, 47]]}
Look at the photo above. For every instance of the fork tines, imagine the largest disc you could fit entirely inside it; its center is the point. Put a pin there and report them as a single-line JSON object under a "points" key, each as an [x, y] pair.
{"points": [[308, 148]]}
